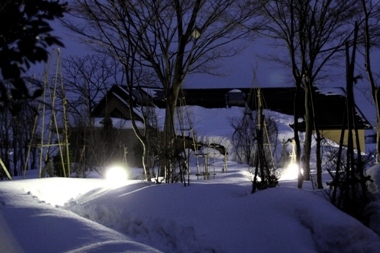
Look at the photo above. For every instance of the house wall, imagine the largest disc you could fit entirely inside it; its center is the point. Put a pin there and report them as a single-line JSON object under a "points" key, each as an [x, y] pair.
{"points": [[93, 141], [334, 135], [127, 138]]}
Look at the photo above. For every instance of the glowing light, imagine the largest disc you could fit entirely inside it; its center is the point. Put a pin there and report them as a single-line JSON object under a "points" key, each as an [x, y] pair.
{"points": [[196, 33], [116, 175], [291, 172]]}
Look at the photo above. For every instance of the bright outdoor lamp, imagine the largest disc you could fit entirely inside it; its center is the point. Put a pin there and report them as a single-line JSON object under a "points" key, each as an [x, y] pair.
{"points": [[116, 174], [291, 171]]}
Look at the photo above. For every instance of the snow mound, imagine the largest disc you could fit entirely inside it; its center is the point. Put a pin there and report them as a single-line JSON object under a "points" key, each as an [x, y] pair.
{"points": [[223, 218], [114, 247], [28, 224]]}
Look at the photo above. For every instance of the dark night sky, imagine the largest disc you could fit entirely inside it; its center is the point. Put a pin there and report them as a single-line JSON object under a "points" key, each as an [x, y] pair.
{"points": [[237, 71]]}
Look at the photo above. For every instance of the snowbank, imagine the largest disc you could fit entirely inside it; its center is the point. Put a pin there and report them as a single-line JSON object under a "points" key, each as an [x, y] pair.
{"points": [[218, 215]]}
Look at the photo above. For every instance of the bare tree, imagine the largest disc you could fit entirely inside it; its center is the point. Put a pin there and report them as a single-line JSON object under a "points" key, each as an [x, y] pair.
{"points": [[5, 138], [313, 31], [87, 80], [171, 37], [25, 35], [15, 131], [243, 137], [348, 190], [371, 12]]}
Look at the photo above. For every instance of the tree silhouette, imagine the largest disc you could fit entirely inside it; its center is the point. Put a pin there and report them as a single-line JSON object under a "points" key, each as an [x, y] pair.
{"points": [[172, 39], [24, 38]]}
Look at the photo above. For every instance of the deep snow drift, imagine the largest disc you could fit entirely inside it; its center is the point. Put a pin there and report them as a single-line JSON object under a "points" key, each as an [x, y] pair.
{"points": [[217, 215]]}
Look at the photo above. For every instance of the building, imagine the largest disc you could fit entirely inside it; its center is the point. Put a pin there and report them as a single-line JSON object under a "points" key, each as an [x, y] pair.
{"points": [[329, 104]]}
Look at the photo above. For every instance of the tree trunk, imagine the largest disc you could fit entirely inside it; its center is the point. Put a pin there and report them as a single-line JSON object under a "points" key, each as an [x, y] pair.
{"points": [[377, 104], [296, 137], [319, 161], [169, 132], [145, 162], [308, 132], [368, 67]]}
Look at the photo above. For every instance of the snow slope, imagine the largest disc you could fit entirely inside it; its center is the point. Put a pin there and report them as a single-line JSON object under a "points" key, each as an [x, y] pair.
{"points": [[217, 215], [29, 224]]}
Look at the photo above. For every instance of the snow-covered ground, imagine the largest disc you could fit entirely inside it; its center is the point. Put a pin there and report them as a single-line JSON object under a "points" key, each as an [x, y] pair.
{"points": [[216, 215]]}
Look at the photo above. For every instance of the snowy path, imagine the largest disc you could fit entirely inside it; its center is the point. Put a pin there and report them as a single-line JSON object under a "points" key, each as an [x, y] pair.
{"points": [[218, 215], [45, 228]]}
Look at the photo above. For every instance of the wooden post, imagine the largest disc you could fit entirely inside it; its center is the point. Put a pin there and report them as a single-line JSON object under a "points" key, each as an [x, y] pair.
{"points": [[5, 169]]}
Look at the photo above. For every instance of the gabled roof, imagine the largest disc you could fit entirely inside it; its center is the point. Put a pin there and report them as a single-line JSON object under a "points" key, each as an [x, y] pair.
{"points": [[100, 109], [116, 103]]}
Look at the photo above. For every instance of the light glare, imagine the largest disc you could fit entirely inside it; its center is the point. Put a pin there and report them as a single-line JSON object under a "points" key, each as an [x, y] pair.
{"points": [[116, 174], [291, 172]]}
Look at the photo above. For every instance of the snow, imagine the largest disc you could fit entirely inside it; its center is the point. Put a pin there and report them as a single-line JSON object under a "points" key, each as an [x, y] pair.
{"points": [[332, 91], [31, 224], [216, 215], [235, 91], [213, 125]]}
